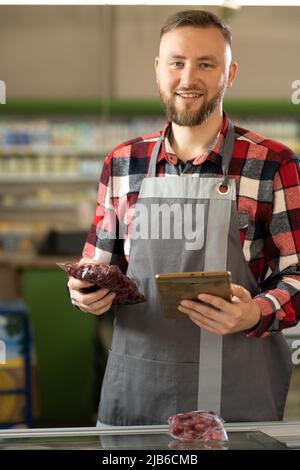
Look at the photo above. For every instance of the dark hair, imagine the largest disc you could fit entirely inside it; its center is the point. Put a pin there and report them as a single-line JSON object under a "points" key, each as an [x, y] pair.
{"points": [[198, 19]]}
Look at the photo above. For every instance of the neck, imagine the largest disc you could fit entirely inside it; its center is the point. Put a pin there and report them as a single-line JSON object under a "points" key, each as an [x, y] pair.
{"points": [[190, 142]]}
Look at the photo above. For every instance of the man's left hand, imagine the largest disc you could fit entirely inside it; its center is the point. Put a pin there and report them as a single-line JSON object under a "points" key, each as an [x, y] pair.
{"points": [[220, 316]]}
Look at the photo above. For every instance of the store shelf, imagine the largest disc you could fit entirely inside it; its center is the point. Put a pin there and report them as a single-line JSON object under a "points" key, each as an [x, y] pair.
{"points": [[48, 159], [51, 180], [40, 208], [64, 216]]}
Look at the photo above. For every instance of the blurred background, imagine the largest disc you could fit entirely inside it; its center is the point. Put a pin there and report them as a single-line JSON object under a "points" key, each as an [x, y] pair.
{"points": [[80, 80]]}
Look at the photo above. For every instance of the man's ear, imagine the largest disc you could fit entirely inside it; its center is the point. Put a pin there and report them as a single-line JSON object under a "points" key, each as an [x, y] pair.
{"points": [[232, 74], [156, 67]]}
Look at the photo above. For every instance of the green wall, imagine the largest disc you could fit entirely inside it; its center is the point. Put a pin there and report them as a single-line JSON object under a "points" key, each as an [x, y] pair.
{"points": [[65, 344], [137, 107]]}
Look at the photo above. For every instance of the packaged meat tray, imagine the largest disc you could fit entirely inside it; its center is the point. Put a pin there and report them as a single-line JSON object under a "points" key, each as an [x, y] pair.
{"points": [[197, 426], [105, 275]]}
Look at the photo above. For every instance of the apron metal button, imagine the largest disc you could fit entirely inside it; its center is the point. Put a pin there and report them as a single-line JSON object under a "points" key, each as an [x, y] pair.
{"points": [[223, 188]]}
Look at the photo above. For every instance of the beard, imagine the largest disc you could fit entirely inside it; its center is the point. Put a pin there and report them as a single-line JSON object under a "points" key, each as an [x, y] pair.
{"points": [[187, 117]]}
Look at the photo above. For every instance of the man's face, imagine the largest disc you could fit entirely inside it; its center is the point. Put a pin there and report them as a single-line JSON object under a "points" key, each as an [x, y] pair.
{"points": [[193, 71]]}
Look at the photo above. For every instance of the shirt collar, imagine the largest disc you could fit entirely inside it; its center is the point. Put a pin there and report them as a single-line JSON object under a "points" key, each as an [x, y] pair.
{"points": [[214, 154]]}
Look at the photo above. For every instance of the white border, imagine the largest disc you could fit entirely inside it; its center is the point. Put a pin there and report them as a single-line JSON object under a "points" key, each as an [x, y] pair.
{"points": [[261, 3]]}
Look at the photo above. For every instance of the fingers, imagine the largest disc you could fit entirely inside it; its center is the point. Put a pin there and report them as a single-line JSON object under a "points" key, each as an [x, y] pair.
{"points": [[214, 302], [88, 299], [98, 312], [202, 311], [240, 292], [75, 287], [77, 284], [199, 310], [95, 302], [198, 307], [208, 323], [98, 307]]}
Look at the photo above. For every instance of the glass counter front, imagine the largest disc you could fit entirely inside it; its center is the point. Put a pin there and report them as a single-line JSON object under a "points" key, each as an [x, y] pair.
{"points": [[246, 436]]}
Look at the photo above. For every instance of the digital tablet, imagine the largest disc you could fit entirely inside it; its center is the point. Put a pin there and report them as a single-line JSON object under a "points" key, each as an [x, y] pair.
{"points": [[174, 287]]}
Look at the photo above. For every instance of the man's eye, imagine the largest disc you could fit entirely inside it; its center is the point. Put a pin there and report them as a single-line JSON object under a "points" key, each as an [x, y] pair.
{"points": [[206, 66], [177, 65]]}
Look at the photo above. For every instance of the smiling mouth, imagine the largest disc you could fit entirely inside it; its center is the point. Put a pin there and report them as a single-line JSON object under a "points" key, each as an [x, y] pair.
{"points": [[189, 95]]}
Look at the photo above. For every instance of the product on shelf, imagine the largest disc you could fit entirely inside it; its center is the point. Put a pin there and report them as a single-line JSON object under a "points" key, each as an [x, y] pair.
{"points": [[197, 425]]}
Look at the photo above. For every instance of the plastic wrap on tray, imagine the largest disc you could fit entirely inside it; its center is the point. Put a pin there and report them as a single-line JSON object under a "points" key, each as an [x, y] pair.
{"points": [[197, 425], [107, 276]]}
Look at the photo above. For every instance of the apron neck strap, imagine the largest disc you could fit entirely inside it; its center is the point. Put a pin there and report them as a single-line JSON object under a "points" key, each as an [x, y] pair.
{"points": [[153, 158], [228, 148], [226, 157]]}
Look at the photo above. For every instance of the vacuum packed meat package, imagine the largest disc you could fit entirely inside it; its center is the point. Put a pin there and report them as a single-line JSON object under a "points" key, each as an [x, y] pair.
{"points": [[108, 276], [197, 425]]}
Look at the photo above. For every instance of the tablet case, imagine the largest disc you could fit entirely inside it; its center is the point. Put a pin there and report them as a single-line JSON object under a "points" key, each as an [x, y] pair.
{"points": [[174, 287]]}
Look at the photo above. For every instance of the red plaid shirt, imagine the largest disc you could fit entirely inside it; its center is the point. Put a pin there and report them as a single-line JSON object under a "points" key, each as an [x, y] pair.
{"points": [[268, 201]]}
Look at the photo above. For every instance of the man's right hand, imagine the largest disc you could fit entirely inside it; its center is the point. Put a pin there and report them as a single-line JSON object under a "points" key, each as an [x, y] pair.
{"points": [[95, 302]]}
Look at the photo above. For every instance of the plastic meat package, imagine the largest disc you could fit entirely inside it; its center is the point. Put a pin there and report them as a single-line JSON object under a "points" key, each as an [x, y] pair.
{"points": [[197, 426], [108, 276]]}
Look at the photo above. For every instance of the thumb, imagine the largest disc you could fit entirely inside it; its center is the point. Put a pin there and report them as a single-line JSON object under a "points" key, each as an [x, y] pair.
{"points": [[240, 292]]}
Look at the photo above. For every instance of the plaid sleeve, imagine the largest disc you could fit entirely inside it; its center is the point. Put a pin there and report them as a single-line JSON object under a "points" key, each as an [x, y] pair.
{"points": [[103, 243], [279, 300]]}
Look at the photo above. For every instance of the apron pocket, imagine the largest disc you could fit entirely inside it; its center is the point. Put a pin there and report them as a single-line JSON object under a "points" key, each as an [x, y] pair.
{"points": [[138, 391]]}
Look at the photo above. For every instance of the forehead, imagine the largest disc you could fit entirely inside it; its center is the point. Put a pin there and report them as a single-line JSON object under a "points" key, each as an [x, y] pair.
{"points": [[193, 41]]}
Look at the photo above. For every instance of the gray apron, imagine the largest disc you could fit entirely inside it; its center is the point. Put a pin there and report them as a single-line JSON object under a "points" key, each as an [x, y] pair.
{"points": [[159, 367]]}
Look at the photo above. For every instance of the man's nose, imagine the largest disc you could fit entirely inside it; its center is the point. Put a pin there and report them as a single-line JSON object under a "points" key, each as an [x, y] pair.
{"points": [[189, 76]]}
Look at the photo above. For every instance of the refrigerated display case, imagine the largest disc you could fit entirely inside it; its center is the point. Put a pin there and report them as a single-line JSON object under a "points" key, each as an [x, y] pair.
{"points": [[242, 436]]}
